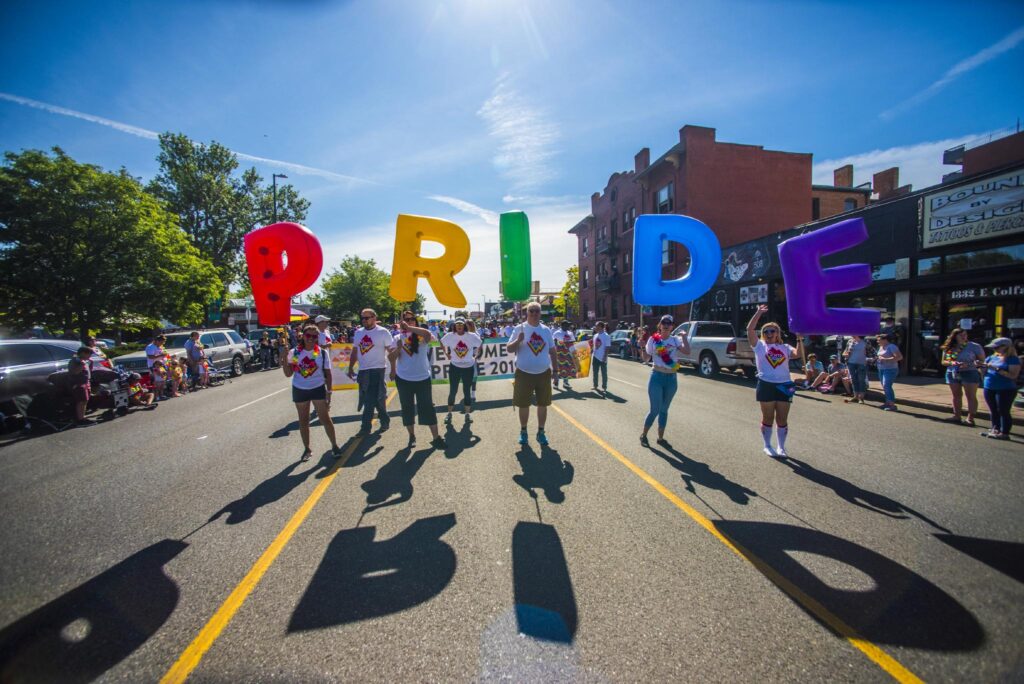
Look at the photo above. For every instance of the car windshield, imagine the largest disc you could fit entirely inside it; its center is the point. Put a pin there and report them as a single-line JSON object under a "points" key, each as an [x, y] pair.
{"points": [[176, 341]]}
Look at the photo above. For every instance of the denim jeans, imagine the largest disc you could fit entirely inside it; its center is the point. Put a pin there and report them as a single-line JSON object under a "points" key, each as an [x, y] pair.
{"points": [[999, 404], [887, 376], [859, 377], [660, 389], [600, 367]]}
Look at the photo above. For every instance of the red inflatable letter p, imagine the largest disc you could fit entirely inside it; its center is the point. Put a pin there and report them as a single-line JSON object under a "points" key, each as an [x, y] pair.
{"points": [[273, 282]]}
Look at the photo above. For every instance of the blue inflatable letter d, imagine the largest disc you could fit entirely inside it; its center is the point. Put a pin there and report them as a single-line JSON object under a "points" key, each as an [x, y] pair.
{"points": [[705, 259]]}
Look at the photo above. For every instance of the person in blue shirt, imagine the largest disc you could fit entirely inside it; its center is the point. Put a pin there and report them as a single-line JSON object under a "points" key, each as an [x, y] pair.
{"points": [[1000, 386]]}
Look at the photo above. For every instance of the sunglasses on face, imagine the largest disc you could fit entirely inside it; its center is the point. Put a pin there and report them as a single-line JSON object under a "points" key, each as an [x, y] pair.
{"points": [[770, 331], [366, 318], [409, 320], [308, 335]]}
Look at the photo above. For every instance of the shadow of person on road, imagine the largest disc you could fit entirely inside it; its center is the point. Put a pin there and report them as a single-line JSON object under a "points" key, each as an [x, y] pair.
{"points": [[366, 448], [270, 490], [549, 473], [858, 496], [702, 474], [459, 440], [544, 598], [83, 633], [361, 578], [395, 477]]}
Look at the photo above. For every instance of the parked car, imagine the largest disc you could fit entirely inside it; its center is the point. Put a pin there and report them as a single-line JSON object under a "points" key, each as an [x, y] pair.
{"points": [[619, 344], [25, 366], [714, 347], [224, 346]]}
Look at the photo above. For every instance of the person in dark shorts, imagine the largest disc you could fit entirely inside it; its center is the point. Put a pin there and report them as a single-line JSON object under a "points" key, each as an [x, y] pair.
{"points": [[775, 387], [309, 367]]}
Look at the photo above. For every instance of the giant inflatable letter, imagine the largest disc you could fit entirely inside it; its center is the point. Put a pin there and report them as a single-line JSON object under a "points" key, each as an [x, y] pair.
{"points": [[273, 283], [705, 259], [408, 266], [516, 266], [807, 282]]}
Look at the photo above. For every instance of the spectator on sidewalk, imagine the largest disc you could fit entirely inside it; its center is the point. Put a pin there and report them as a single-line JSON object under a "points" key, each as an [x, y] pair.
{"points": [[856, 355], [814, 372], [889, 358], [962, 360], [836, 375], [1002, 369], [80, 377]]}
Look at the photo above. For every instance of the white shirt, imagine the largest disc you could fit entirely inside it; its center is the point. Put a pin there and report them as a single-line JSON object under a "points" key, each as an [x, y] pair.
{"points": [[773, 361], [373, 346], [601, 342], [413, 367], [308, 372], [506, 331], [325, 339], [672, 345], [564, 336], [462, 349], [152, 350], [534, 355]]}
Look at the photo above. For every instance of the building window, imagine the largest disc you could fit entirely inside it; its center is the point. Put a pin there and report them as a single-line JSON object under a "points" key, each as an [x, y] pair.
{"points": [[601, 233], [625, 221], [931, 266], [586, 246], [600, 307], [615, 227], [663, 200], [667, 256], [815, 208], [586, 278], [615, 308], [986, 258], [632, 216], [849, 204], [625, 262], [883, 272]]}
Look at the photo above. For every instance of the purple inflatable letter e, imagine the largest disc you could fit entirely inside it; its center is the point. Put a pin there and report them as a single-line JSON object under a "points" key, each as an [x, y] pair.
{"points": [[807, 282]]}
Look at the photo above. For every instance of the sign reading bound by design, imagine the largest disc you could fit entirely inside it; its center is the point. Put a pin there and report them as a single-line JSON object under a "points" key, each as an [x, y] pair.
{"points": [[975, 211]]}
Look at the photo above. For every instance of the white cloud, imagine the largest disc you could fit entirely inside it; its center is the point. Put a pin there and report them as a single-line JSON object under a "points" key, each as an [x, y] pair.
{"points": [[959, 69], [525, 134], [489, 217], [920, 164]]}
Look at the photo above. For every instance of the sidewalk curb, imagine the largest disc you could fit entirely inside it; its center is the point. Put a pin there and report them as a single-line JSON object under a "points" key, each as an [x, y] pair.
{"points": [[917, 403]]}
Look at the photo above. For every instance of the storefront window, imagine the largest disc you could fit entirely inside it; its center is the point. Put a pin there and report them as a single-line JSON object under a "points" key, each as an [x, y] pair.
{"points": [[986, 258], [926, 334], [883, 272], [931, 266]]}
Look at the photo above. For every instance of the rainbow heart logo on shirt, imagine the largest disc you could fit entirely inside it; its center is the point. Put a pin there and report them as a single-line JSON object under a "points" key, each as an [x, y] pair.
{"points": [[536, 344], [461, 349], [775, 356], [365, 344], [597, 344]]}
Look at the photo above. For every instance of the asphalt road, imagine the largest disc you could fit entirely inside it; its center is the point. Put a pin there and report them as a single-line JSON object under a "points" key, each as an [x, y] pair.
{"points": [[190, 541]]}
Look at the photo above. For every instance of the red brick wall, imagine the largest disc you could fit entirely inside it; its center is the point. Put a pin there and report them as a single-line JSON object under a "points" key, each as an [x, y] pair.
{"points": [[995, 154], [832, 202]]}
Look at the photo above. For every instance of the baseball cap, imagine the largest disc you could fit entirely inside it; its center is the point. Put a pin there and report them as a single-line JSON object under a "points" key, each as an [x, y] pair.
{"points": [[667, 319], [461, 320], [320, 319], [834, 357], [1000, 342]]}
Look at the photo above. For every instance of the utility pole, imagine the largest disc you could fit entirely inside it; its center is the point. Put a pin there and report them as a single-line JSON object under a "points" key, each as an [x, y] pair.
{"points": [[274, 177]]}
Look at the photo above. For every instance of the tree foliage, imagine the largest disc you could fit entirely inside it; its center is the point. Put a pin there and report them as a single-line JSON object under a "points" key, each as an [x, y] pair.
{"points": [[567, 303], [216, 207], [81, 248], [358, 284]]}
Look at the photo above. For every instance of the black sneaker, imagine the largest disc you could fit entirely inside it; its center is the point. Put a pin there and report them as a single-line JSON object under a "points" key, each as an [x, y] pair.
{"points": [[644, 441], [336, 450], [385, 426], [439, 443], [306, 455]]}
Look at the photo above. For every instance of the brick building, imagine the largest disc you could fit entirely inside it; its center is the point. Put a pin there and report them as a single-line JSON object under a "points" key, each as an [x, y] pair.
{"points": [[740, 191]]}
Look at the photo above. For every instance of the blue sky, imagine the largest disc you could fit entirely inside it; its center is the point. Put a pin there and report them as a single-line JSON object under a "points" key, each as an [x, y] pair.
{"points": [[463, 109]]}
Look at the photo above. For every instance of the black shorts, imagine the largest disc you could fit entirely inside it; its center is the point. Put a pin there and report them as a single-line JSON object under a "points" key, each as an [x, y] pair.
{"points": [[315, 394], [773, 391]]}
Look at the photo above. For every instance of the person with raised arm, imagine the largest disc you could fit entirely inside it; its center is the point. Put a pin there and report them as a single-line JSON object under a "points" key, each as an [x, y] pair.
{"points": [[410, 369], [664, 350], [775, 387]]}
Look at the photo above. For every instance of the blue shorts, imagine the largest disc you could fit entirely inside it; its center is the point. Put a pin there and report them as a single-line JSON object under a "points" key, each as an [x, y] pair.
{"points": [[316, 394], [774, 391], [964, 377]]}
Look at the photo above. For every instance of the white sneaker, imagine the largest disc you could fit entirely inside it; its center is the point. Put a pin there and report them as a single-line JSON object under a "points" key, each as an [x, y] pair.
{"points": [[781, 452], [768, 451]]}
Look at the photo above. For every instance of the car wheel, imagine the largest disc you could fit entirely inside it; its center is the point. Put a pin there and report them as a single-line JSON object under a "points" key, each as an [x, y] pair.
{"points": [[708, 366], [236, 366]]}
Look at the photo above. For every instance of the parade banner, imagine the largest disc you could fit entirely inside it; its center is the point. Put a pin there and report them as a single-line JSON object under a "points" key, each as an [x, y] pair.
{"points": [[496, 363]]}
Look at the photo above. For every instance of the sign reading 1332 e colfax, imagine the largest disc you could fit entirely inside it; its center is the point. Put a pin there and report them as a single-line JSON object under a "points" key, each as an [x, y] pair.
{"points": [[975, 211]]}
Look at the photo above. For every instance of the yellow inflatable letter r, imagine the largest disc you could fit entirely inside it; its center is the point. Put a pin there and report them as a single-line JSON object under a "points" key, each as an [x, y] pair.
{"points": [[409, 266]]}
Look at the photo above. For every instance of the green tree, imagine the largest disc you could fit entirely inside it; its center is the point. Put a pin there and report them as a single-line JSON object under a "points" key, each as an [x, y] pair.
{"points": [[358, 284], [567, 303], [216, 207], [81, 248]]}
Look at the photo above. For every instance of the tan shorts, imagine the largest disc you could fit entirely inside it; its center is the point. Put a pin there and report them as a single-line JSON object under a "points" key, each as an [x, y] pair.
{"points": [[528, 384]]}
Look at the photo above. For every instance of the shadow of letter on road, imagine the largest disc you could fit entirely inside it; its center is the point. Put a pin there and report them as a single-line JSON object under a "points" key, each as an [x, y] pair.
{"points": [[1006, 557], [82, 634], [545, 601], [360, 578], [902, 608]]}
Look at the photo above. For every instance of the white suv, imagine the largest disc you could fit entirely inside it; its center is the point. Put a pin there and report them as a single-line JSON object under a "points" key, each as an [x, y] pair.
{"points": [[224, 347]]}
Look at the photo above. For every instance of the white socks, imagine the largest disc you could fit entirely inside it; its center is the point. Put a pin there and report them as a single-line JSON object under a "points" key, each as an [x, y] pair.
{"points": [[781, 433], [766, 435]]}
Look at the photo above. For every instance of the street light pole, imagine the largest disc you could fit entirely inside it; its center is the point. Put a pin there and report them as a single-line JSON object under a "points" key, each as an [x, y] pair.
{"points": [[274, 177]]}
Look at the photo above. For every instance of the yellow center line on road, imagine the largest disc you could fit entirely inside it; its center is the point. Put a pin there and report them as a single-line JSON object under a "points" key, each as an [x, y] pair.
{"points": [[191, 656], [891, 666]]}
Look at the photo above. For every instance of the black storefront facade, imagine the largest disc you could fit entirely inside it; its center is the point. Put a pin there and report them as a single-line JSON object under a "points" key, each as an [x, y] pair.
{"points": [[948, 256]]}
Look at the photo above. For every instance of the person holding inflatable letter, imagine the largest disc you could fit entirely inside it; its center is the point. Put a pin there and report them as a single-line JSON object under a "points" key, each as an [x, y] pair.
{"points": [[775, 386]]}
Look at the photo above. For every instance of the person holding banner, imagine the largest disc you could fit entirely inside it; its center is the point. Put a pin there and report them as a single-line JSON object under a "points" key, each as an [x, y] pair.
{"points": [[309, 367], [370, 346], [566, 364], [464, 348], [599, 359], [664, 350], [410, 369], [534, 347], [775, 386]]}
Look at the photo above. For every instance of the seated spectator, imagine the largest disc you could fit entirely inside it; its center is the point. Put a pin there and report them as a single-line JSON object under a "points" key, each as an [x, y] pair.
{"points": [[80, 376], [835, 375], [137, 395], [814, 372]]}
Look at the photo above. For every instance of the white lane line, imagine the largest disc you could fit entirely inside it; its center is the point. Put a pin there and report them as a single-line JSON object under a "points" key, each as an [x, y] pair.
{"points": [[203, 437], [238, 408], [625, 383]]}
